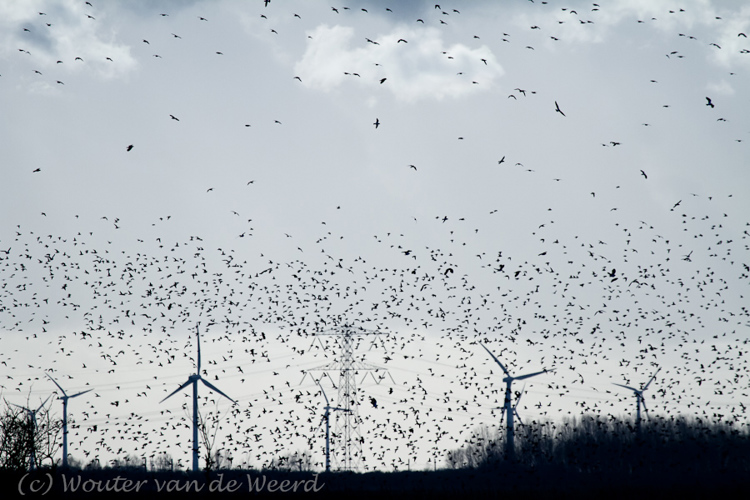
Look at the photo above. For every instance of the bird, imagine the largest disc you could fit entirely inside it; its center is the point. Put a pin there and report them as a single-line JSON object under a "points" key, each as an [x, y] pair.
{"points": [[174, 117], [557, 108], [376, 123], [709, 103], [501, 160], [644, 174], [129, 148], [412, 166]]}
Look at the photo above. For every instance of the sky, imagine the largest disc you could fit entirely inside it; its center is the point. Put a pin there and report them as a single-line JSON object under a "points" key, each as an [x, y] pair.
{"points": [[564, 182]]}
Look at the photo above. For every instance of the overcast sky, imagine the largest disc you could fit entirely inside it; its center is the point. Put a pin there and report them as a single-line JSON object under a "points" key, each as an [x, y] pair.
{"points": [[565, 181]]}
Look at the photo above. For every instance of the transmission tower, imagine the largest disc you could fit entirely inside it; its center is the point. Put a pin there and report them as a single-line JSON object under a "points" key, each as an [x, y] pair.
{"points": [[347, 438]]}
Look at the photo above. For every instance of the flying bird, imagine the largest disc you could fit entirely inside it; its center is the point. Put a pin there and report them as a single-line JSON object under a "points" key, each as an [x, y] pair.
{"points": [[709, 103], [644, 174], [129, 148], [557, 108], [376, 123]]}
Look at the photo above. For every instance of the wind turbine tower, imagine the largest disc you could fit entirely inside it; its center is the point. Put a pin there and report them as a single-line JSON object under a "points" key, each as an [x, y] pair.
{"points": [[32, 416], [347, 426], [508, 408], [326, 416], [193, 379], [65, 399], [639, 400]]}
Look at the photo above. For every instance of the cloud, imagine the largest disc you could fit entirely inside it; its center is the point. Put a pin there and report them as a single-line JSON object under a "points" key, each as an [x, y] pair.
{"points": [[70, 34], [722, 88], [420, 66]]}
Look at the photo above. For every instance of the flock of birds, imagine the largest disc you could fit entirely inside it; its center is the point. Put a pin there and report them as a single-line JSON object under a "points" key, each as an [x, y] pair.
{"points": [[116, 315]]}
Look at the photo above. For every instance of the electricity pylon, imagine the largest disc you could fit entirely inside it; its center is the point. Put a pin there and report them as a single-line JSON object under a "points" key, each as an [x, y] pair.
{"points": [[349, 439]]}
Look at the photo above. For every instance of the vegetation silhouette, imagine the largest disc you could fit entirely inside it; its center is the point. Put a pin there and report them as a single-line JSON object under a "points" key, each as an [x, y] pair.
{"points": [[582, 458]]}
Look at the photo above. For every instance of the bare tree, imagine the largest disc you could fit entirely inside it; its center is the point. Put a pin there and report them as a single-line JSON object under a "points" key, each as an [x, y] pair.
{"points": [[162, 462], [208, 429], [48, 437], [23, 438], [298, 461], [15, 438]]}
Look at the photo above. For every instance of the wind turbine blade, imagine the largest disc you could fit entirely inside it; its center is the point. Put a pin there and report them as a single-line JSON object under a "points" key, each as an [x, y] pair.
{"points": [[79, 393], [518, 400], [517, 415], [215, 389], [324, 392], [627, 387], [58, 385], [45, 402], [322, 419], [190, 381], [496, 360], [198, 335], [529, 375], [333, 382], [651, 380]]}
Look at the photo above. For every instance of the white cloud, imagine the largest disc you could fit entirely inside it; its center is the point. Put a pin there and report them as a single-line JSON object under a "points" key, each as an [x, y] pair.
{"points": [[421, 67], [722, 88], [71, 34]]}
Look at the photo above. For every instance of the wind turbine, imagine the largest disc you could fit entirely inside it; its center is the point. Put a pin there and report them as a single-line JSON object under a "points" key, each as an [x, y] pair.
{"points": [[508, 407], [193, 379], [65, 399], [326, 416], [32, 415], [515, 407], [639, 400]]}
